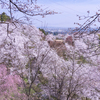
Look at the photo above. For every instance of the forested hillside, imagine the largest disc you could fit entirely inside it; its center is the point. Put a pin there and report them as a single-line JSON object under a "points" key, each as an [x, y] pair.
{"points": [[35, 65], [42, 72]]}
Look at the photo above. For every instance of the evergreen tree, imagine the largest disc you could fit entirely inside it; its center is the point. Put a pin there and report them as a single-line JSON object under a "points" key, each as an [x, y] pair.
{"points": [[4, 17], [43, 31]]}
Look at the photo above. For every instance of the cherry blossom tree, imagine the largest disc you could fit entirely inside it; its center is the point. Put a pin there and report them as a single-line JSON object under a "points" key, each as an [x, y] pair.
{"points": [[10, 85], [28, 7], [38, 72]]}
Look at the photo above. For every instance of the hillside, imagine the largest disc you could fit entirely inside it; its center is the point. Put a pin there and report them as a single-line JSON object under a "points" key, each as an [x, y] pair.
{"points": [[53, 70]]}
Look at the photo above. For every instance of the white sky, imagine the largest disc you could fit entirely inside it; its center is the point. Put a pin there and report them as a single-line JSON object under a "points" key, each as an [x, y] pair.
{"points": [[68, 11]]}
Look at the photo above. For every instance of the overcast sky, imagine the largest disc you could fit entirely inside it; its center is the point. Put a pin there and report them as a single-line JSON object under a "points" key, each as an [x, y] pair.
{"points": [[68, 9]]}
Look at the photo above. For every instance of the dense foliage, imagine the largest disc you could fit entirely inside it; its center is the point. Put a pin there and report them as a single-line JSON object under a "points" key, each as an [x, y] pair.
{"points": [[60, 72], [37, 68]]}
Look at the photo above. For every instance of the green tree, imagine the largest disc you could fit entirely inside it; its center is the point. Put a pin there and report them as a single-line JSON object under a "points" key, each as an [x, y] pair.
{"points": [[43, 31], [4, 17]]}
